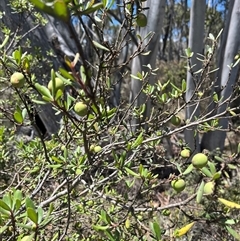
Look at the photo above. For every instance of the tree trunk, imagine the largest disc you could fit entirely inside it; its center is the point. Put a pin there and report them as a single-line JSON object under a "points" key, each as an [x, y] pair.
{"points": [[212, 140], [196, 35], [155, 16]]}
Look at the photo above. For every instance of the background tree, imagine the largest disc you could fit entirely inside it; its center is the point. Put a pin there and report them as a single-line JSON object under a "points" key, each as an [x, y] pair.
{"points": [[196, 35]]}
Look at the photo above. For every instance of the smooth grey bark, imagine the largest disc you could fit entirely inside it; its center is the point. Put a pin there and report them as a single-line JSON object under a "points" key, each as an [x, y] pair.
{"points": [[224, 39], [216, 139], [155, 15], [196, 36]]}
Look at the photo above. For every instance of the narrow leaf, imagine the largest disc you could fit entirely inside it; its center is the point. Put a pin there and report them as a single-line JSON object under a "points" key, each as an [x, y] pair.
{"points": [[200, 192], [44, 91], [4, 42], [229, 203], [98, 45], [233, 233], [183, 230], [129, 171]]}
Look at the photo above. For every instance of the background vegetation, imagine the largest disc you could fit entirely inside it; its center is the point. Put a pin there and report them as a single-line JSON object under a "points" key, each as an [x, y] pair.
{"points": [[79, 160]]}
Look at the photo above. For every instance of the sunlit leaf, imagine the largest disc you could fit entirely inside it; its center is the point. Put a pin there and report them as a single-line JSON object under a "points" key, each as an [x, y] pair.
{"points": [[42, 6], [92, 9], [61, 10], [183, 230], [99, 46], [229, 203]]}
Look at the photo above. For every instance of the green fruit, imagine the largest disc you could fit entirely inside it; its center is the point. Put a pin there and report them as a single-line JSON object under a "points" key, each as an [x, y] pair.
{"points": [[208, 188], [91, 148], [59, 84], [81, 109], [178, 185], [97, 149], [141, 20], [166, 212], [175, 120], [17, 80], [199, 160], [185, 153]]}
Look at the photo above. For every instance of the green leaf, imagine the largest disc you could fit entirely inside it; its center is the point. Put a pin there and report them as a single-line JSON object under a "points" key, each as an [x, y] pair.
{"points": [[18, 204], [59, 94], [27, 238], [17, 195], [138, 141], [61, 10], [98, 227], [29, 203], [175, 87], [57, 166], [29, 227], [40, 102], [110, 236], [129, 171], [92, 9], [184, 85], [40, 215], [233, 233], [230, 222], [47, 99], [18, 116], [215, 97], [105, 217], [26, 64], [216, 176], [3, 228], [69, 101], [99, 46], [212, 167], [218, 158], [4, 206], [188, 52], [66, 74], [188, 170], [83, 74], [4, 42], [42, 6], [206, 171], [24, 113], [7, 198], [17, 54], [200, 192], [44, 91], [156, 230], [31, 213]]}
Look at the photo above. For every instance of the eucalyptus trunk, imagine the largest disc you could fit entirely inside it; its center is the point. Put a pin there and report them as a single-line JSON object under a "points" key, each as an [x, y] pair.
{"points": [[155, 15], [216, 139], [196, 36]]}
